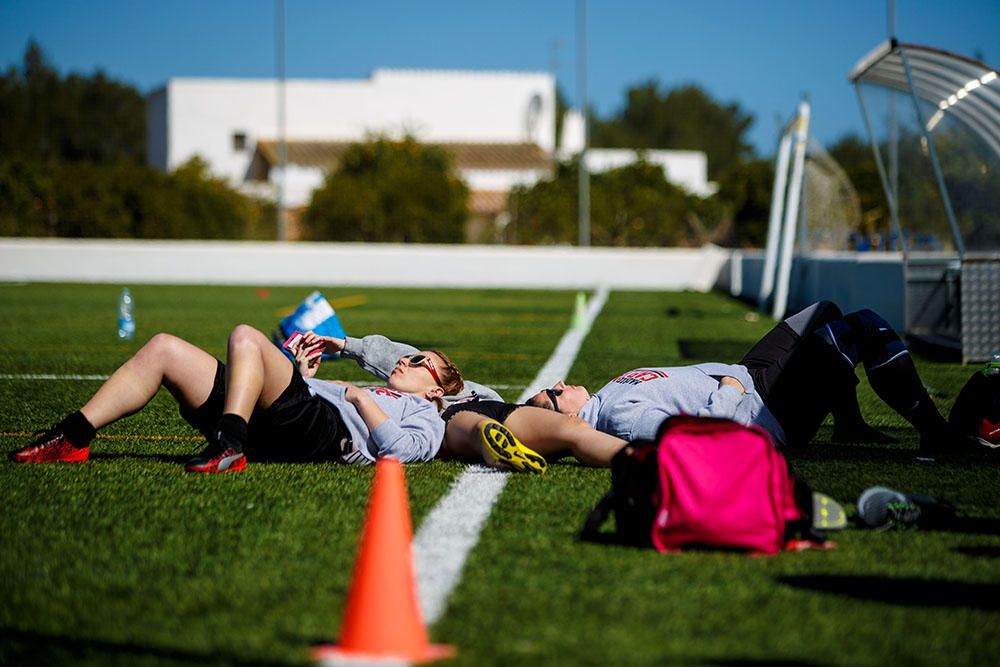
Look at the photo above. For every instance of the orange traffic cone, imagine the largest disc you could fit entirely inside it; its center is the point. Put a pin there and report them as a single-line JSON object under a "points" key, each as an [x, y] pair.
{"points": [[382, 619]]}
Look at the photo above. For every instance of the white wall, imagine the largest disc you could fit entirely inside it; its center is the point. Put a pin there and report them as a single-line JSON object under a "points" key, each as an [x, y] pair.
{"points": [[272, 263], [687, 169], [851, 280]]}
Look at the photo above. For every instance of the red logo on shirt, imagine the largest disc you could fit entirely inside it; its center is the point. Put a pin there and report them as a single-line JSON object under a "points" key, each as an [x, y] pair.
{"points": [[640, 375], [383, 391]]}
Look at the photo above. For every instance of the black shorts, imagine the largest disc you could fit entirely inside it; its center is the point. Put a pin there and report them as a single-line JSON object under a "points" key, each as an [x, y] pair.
{"points": [[796, 375], [296, 427], [497, 410]]}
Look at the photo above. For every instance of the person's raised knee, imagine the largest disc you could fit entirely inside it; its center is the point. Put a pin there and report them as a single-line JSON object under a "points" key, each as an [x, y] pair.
{"points": [[243, 335]]}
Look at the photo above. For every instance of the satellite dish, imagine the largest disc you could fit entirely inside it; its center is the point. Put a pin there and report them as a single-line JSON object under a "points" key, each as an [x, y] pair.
{"points": [[532, 117]]}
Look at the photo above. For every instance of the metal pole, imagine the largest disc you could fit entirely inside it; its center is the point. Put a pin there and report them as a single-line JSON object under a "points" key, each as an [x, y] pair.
{"points": [[791, 213], [776, 216], [583, 184], [282, 144], [932, 152]]}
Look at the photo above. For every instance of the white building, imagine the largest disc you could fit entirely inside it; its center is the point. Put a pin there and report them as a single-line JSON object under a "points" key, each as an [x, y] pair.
{"points": [[498, 126]]}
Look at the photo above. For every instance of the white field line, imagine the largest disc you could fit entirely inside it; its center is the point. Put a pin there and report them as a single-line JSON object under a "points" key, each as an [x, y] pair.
{"points": [[452, 528], [53, 376]]}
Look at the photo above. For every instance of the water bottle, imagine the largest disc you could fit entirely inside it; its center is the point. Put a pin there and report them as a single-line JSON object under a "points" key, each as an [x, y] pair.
{"points": [[126, 322]]}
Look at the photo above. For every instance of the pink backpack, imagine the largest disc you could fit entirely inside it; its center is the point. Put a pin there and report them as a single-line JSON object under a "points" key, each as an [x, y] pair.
{"points": [[705, 483]]}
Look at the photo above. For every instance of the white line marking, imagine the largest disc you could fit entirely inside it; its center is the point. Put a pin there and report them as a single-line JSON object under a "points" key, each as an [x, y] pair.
{"points": [[452, 528]]}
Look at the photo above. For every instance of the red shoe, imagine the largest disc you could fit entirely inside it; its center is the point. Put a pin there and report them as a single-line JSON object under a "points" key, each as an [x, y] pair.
{"points": [[989, 434], [50, 446], [221, 455]]}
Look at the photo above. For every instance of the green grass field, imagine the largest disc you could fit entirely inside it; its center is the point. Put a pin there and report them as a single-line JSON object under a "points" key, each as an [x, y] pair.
{"points": [[127, 560]]}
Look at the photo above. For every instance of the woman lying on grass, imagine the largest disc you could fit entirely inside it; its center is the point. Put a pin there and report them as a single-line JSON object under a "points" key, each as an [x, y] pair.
{"points": [[480, 426], [797, 374], [259, 403]]}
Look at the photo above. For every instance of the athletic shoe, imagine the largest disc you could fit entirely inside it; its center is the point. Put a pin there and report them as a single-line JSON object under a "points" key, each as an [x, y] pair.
{"points": [[50, 446], [883, 508], [989, 434], [222, 454], [827, 513], [508, 450]]}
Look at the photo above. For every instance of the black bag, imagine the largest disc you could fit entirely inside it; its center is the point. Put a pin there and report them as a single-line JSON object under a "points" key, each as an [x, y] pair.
{"points": [[977, 409]]}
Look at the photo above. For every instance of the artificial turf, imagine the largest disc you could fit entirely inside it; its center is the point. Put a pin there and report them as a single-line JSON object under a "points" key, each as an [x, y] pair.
{"points": [[128, 560]]}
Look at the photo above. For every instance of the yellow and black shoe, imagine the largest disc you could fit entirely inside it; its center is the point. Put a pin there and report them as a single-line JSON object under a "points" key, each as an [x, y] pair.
{"points": [[508, 450]]}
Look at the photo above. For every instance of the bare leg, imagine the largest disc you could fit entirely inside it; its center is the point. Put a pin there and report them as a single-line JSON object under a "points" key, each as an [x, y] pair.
{"points": [[256, 372], [552, 434], [548, 433], [188, 372]]}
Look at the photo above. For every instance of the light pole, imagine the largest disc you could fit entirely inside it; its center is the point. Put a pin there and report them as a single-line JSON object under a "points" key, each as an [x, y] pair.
{"points": [[583, 184], [279, 9]]}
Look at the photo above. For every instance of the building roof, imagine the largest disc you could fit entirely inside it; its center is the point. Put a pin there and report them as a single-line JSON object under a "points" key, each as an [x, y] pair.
{"points": [[327, 154]]}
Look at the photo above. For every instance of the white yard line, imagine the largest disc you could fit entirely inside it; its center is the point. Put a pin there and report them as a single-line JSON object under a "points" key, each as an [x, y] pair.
{"points": [[448, 534]]}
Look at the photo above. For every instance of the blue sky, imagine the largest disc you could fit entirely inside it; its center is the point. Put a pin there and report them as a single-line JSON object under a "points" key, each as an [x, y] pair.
{"points": [[762, 54]]}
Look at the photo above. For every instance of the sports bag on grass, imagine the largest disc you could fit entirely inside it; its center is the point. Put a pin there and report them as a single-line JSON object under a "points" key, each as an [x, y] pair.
{"points": [[705, 483]]}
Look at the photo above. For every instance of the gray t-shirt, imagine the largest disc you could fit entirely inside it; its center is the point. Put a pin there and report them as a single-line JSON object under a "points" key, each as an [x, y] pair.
{"points": [[412, 433], [634, 404], [378, 355]]}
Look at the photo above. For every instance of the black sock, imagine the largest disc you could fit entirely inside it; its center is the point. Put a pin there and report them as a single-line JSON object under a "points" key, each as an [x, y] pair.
{"points": [[898, 384], [77, 429], [233, 426]]}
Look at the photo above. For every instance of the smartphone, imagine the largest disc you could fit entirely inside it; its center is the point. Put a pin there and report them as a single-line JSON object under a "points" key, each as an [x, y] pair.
{"points": [[292, 342]]}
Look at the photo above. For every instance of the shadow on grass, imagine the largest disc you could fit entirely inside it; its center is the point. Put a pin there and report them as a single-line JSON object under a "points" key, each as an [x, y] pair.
{"points": [[726, 351], [907, 592], [854, 453], [26, 647], [979, 551]]}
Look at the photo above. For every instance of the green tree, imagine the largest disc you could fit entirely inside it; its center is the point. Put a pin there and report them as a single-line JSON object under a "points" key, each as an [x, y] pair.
{"points": [[78, 118], [745, 189], [685, 118], [634, 205], [854, 155], [385, 190]]}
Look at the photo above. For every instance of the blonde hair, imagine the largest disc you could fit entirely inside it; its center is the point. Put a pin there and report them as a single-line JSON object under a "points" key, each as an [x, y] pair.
{"points": [[450, 376]]}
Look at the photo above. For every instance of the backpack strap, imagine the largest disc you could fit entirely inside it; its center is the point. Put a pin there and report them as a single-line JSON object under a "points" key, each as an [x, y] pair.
{"points": [[591, 531]]}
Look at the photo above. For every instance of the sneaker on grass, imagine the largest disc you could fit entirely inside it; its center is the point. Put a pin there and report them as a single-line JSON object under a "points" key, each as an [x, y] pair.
{"points": [[223, 454], [50, 446], [508, 450]]}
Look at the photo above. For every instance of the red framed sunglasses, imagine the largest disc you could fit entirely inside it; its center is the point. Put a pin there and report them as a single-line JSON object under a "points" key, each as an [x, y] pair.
{"points": [[422, 360]]}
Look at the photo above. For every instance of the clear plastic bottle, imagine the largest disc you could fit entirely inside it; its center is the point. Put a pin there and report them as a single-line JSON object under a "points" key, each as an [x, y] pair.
{"points": [[126, 319]]}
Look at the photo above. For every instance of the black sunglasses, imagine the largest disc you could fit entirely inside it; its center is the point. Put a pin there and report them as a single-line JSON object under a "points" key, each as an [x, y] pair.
{"points": [[552, 393]]}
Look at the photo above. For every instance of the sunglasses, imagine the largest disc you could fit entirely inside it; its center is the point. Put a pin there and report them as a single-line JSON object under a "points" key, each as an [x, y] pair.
{"points": [[422, 360], [552, 393]]}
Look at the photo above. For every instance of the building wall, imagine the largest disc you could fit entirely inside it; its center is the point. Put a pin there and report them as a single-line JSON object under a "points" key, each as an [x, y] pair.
{"points": [[200, 116], [371, 264]]}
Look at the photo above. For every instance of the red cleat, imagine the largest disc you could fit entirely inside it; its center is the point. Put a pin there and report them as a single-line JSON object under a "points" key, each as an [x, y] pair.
{"points": [[989, 434], [220, 456], [49, 447]]}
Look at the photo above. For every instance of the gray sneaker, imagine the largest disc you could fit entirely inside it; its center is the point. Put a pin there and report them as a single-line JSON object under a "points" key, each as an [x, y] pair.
{"points": [[883, 508]]}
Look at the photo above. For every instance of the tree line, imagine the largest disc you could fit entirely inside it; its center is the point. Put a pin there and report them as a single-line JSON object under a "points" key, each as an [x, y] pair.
{"points": [[72, 164]]}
